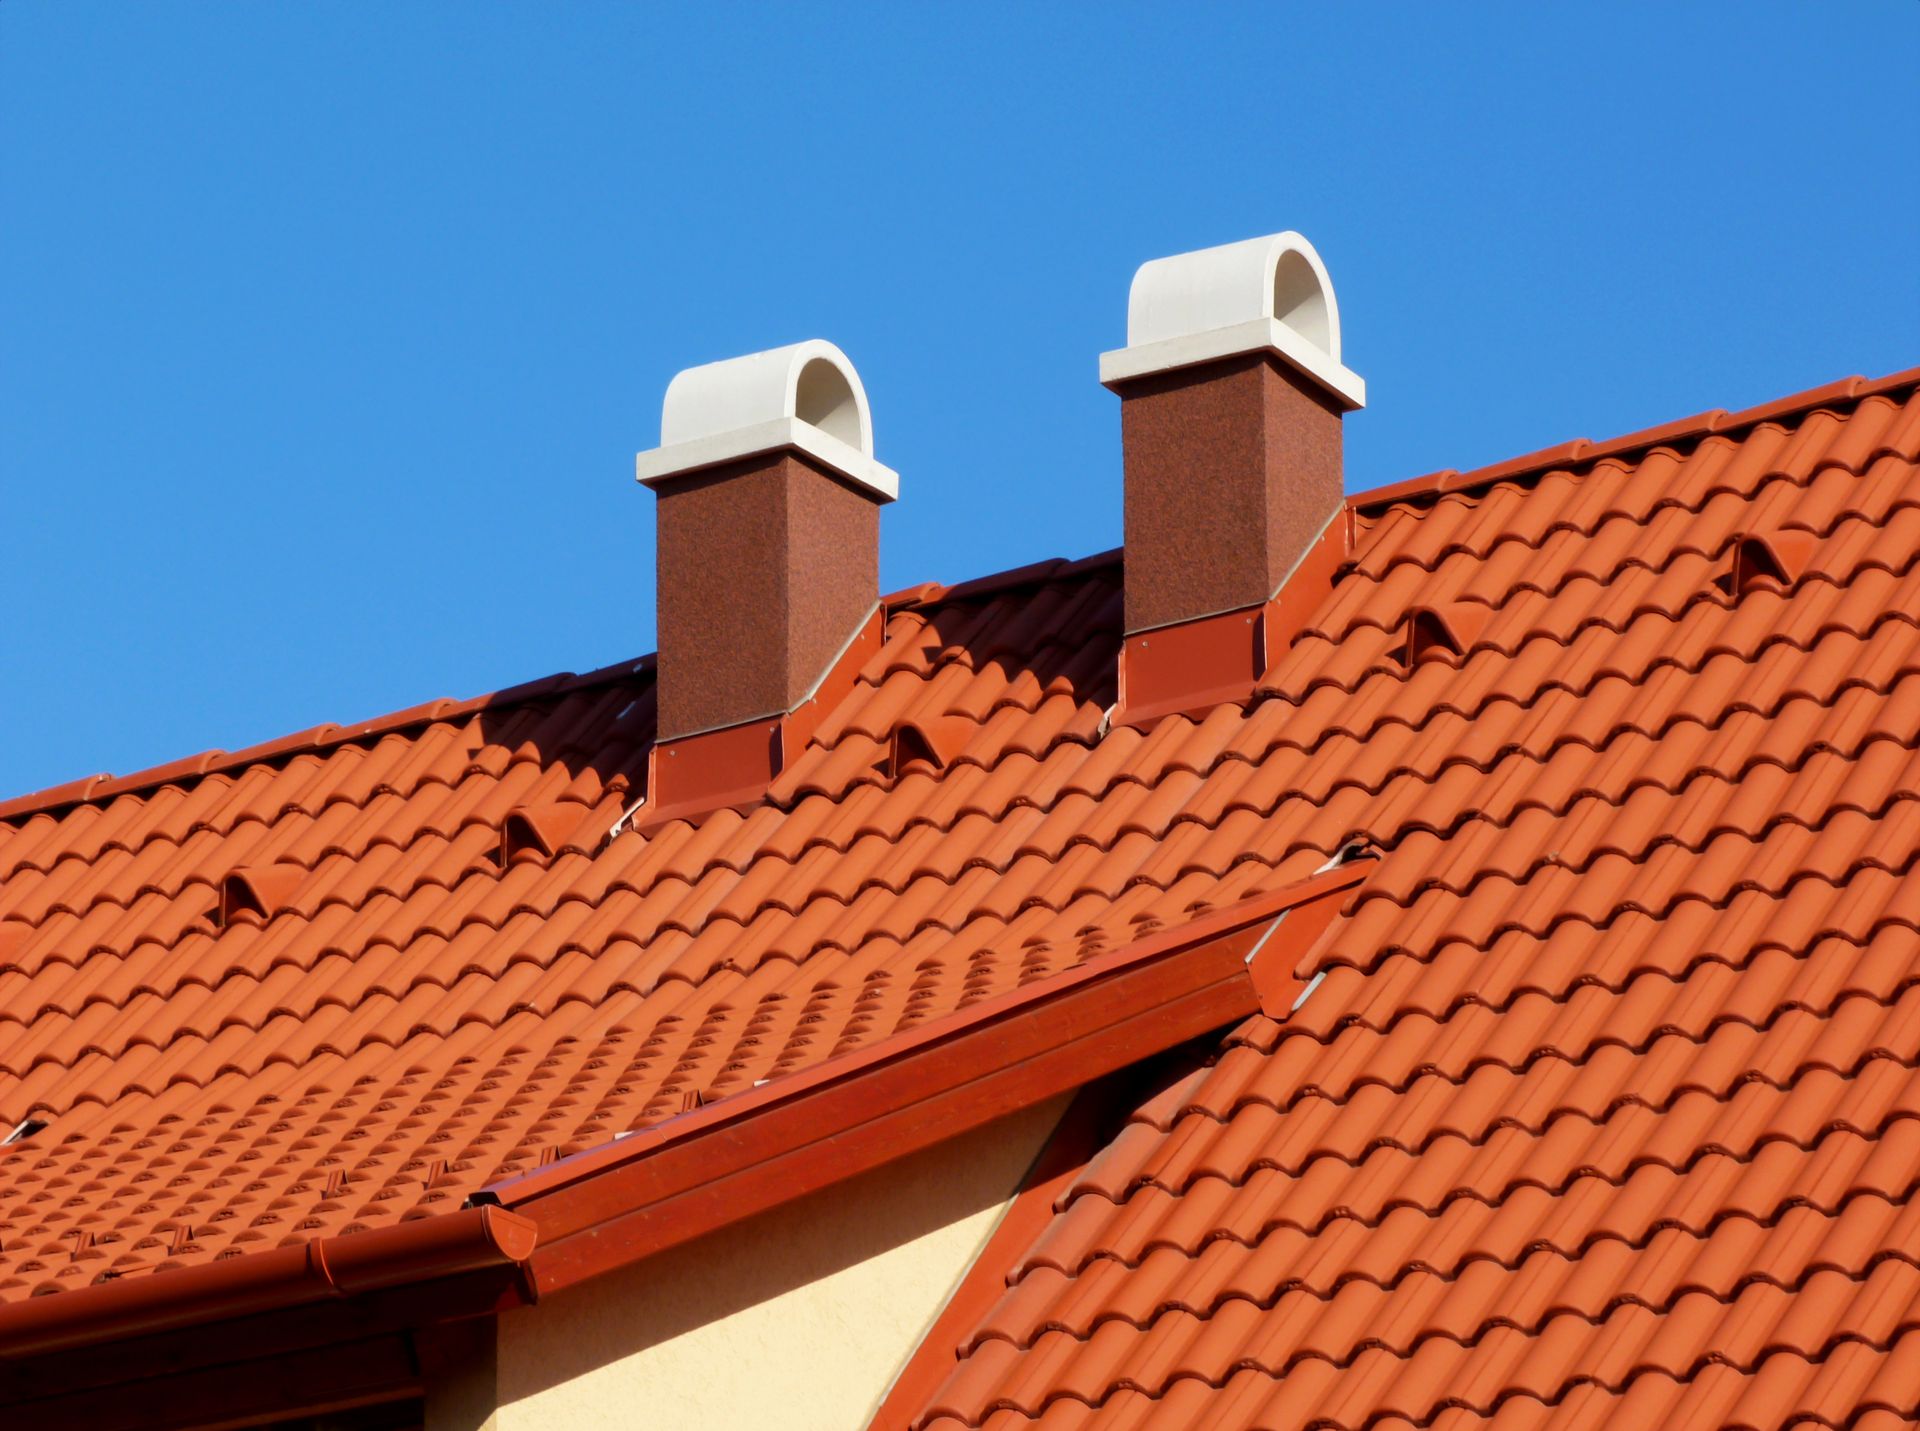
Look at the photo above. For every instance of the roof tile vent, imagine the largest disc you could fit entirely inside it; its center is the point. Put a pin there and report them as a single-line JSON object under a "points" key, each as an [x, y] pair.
{"points": [[1442, 631], [935, 741], [539, 832], [256, 893], [1772, 561]]}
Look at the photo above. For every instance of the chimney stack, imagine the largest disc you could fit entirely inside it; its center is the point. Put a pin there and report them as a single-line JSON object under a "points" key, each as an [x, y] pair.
{"points": [[1231, 398], [768, 525]]}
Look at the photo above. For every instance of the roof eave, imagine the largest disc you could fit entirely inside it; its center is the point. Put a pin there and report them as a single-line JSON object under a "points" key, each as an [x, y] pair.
{"points": [[614, 1205], [242, 1319], [663, 1186], [347, 1265]]}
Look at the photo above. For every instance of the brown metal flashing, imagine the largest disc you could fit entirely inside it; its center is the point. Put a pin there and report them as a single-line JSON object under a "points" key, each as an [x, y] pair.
{"points": [[731, 768], [714, 770], [666, 1185], [1192, 666]]}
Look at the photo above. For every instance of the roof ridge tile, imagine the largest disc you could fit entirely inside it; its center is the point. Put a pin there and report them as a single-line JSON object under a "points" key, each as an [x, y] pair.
{"points": [[1582, 452]]}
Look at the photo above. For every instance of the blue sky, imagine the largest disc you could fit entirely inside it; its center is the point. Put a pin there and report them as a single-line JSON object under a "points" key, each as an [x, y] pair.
{"points": [[328, 333]]}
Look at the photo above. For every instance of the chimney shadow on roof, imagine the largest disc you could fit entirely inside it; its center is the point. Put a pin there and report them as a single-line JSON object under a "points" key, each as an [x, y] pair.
{"points": [[1064, 636], [604, 729], [1058, 636]]}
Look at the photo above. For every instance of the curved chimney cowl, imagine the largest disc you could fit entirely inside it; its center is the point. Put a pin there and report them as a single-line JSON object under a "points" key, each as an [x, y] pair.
{"points": [[805, 397], [1268, 294]]}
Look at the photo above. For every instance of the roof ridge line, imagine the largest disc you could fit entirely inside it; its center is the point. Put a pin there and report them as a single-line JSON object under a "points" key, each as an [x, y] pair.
{"points": [[1582, 452], [105, 786], [1579, 452], [1038, 573]]}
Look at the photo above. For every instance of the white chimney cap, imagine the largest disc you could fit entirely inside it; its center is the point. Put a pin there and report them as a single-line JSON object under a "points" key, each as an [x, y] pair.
{"points": [[806, 397], [1267, 294]]}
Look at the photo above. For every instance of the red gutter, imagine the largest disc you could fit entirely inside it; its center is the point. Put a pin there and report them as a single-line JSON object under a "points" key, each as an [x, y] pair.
{"points": [[349, 1265], [616, 1204]]}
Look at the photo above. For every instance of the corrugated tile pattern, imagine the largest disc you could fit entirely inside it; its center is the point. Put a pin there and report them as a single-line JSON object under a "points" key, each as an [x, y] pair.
{"points": [[388, 1018], [1603, 1106], [1604, 1109]]}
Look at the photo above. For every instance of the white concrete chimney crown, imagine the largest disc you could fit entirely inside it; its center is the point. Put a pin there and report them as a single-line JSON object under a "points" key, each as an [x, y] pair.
{"points": [[806, 396], [1261, 294]]}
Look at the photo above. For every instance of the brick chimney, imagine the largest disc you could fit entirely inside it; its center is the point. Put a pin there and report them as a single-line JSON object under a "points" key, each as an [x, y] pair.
{"points": [[767, 571], [1231, 399]]}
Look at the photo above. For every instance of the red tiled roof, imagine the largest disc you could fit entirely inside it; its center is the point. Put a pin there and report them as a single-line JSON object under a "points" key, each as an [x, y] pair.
{"points": [[411, 1022], [1656, 812], [1604, 1103]]}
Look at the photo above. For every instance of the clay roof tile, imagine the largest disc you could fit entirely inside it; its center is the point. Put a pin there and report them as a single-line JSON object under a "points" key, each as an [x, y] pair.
{"points": [[1599, 1101]]}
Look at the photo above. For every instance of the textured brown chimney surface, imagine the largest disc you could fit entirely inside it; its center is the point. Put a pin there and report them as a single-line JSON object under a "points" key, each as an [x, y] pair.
{"points": [[1231, 399], [1233, 468], [766, 568]]}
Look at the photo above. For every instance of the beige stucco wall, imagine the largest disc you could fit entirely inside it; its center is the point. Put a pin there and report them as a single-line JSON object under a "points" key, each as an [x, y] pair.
{"points": [[800, 1318]]}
